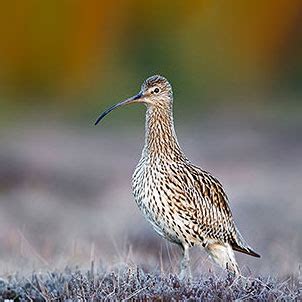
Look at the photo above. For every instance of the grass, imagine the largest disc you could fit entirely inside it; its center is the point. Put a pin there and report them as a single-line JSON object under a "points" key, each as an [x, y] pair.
{"points": [[129, 282]]}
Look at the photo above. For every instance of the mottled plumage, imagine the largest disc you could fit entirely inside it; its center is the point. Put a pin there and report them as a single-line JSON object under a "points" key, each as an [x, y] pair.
{"points": [[183, 203]]}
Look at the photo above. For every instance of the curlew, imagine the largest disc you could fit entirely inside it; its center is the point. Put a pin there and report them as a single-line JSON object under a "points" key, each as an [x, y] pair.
{"points": [[184, 204]]}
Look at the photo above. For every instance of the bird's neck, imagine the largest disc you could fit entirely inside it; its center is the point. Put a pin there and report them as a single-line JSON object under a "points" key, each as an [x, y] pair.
{"points": [[160, 137]]}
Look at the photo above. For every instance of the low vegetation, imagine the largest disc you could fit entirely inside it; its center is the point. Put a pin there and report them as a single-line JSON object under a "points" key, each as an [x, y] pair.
{"points": [[132, 283]]}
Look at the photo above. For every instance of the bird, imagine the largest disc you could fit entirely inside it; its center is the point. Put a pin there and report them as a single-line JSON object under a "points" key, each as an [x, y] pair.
{"points": [[184, 204]]}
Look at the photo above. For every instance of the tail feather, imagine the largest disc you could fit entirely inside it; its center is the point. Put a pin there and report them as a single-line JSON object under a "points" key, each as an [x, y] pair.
{"points": [[240, 245], [245, 250]]}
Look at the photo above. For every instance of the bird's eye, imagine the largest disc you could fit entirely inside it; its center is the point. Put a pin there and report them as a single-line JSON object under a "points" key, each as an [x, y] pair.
{"points": [[156, 90]]}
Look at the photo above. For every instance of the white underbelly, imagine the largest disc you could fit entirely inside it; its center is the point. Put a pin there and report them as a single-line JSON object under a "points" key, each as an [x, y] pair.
{"points": [[156, 210], [153, 203]]}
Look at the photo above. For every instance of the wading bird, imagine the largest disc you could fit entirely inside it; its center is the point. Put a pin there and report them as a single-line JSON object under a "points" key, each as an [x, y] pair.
{"points": [[183, 203]]}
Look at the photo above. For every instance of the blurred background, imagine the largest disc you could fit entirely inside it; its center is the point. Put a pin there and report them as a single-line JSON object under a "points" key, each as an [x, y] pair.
{"points": [[65, 185]]}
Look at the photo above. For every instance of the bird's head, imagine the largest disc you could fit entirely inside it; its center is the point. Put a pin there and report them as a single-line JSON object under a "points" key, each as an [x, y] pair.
{"points": [[156, 91]]}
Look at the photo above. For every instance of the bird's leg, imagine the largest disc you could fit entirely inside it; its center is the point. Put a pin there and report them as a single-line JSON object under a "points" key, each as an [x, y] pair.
{"points": [[185, 270], [223, 255]]}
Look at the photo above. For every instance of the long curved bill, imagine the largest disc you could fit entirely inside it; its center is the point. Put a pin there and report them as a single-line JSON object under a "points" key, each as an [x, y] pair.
{"points": [[125, 102]]}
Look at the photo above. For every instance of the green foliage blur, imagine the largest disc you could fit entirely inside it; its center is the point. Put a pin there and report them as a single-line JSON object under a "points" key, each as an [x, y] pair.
{"points": [[70, 59]]}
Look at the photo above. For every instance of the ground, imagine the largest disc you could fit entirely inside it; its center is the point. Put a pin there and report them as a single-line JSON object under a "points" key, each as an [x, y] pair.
{"points": [[133, 283]]}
